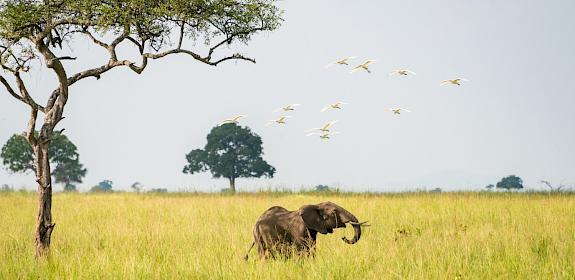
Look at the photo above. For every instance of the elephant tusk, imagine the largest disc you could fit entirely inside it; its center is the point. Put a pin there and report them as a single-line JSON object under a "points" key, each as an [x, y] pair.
{"points": [[363, 224]]}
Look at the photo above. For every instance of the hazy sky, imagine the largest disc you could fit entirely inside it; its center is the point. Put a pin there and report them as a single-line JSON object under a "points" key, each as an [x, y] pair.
{"points": [[515, 116]]}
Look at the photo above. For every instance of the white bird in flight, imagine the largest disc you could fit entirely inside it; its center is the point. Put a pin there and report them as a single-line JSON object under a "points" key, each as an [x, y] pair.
{"points": [[325, 128], [323, 136], [364, 66], [235, 120], [402, 72], [336, 105], [287, 108], [456, 81], [398, 111], [343, 61], [280, 120]]}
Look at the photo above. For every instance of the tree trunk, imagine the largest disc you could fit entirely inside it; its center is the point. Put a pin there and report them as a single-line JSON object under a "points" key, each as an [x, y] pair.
{"points": [[53, 115], [44, 225], [233, 185]]}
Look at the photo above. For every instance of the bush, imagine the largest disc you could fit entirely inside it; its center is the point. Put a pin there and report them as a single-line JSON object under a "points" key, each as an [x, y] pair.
{"points": [[104, 186], [158, 190], [6, 188], [322, 188]]}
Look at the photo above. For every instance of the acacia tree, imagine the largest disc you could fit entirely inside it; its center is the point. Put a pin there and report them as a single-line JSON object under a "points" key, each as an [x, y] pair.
{"points": [[33, 31], [232, 152]]}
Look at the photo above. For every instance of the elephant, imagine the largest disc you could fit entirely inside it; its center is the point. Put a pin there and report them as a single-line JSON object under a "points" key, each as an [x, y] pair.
{"points": [[286, 233]]}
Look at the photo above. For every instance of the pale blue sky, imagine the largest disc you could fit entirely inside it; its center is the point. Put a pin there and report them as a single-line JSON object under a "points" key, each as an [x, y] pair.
{"points": [[515, 116]]}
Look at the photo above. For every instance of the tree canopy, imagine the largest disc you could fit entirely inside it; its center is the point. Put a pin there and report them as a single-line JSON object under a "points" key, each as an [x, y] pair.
{"points": [[510, 182], [147, 24], [232, 152], [18, 157]]}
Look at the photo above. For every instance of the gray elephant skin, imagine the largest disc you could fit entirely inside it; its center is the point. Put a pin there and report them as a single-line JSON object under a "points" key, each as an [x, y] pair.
{"points": [[279, 232]]}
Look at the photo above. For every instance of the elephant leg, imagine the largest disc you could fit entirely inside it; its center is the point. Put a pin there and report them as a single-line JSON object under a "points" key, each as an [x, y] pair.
{"points": [[306, 247]]}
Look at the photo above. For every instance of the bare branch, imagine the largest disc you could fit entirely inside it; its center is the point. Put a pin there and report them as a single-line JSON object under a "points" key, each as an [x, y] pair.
{"points": [[547, 183], [96, 72], [236, 56], [25, 94], [138, 44], [121, 38], [10, 89], [63, 58], [181, 39], [96, 41], [230, 38]]}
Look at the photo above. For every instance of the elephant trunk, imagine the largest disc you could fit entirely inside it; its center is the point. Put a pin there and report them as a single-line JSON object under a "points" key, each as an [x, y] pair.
{"points": [[347, 217]]}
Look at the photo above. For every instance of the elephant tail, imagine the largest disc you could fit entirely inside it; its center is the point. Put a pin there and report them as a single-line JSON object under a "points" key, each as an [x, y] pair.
{"points": [[248, 252]]}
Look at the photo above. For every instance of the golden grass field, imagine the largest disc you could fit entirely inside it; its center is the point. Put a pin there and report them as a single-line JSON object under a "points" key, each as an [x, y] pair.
{"points": [[203, 236]]}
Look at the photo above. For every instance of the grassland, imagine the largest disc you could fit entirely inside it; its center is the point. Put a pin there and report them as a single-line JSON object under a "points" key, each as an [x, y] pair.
{"points": [[414, 236]]}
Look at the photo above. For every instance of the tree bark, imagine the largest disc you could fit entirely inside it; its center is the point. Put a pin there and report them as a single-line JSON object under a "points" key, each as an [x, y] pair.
{"points": [[44, 225], [233, 185]]}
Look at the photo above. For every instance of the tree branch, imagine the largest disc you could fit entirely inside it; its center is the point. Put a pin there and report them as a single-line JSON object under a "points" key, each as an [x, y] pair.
{"points": [[181, 39], [96, 41], [231, 37], [24, 93], [123, 36], [10, 89], [63, 58], [96, 72], [24, 96], [30, 133]]}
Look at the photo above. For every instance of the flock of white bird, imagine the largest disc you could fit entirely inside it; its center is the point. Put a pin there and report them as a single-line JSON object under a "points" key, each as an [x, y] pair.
{"points": [[325, 132]]}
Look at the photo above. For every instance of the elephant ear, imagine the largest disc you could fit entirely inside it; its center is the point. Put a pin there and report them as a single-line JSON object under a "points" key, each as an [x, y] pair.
{"points": [[311, 215]]}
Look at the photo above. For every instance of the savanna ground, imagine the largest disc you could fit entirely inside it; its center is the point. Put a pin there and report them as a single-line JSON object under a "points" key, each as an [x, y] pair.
{"points": [[185, 236]]}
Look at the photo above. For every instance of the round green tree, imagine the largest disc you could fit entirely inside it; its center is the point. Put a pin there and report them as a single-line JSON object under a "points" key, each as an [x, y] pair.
{"points": [[232, 152], [510, 182], [18, 157]]}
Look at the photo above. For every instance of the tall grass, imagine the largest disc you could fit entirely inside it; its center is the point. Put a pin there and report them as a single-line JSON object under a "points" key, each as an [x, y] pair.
{"points": [[421, 236]]}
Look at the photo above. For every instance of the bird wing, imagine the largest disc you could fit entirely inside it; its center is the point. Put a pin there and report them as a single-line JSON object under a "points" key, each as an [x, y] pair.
{"points": [[411, 72], [368, 62], [345, 59], [445, 82], [357, 68], [325, 108], [313, 133], [329, 124], [463, 79], [404, 110]]}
